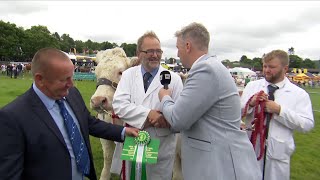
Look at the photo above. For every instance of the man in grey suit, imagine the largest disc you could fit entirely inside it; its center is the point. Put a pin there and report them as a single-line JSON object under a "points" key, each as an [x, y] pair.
{"points": [[207, 113]]}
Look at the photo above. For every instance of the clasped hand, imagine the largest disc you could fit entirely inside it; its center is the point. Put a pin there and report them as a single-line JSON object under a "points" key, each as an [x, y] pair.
{"points": [[156, 119]]}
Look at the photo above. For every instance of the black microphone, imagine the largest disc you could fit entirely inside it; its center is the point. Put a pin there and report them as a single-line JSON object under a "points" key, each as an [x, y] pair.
{"points": [[165, 78]]}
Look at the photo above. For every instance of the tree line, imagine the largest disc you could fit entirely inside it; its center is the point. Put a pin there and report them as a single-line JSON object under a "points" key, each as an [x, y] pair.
{"points": [[256, 63], [19, 44]]}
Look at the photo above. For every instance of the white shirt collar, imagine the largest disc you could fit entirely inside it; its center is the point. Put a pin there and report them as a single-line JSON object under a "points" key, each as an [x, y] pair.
{"points": [[198, 60], [280, 84]]}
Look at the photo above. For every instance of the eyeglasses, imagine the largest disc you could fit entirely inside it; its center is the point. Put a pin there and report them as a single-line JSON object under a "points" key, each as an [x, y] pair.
{"points": [[150, 52]]}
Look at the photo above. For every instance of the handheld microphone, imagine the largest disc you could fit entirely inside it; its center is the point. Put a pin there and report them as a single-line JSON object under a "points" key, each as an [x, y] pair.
{"points": [[165, 78]]}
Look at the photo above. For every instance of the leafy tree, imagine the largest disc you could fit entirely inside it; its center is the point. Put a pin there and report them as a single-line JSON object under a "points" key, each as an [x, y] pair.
{"points": [[57, 36], [291, 51], [11, 41], [244, 61], [79, 45], [257, 63], [66, 43], [307, 63], [295, 61], [38, 37], [129, 49], [107, 45], [227, 63]]}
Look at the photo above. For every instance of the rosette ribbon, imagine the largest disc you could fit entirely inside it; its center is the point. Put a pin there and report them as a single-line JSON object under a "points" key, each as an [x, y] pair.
{"points": [[138, 168]]}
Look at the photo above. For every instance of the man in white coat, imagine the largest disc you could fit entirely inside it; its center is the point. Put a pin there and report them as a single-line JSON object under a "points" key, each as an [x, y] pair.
{"points": [[136, 103], [291, 110], [207, 113]]}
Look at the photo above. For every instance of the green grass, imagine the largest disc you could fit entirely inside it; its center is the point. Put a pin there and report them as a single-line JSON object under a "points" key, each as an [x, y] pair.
{"points": [[304, 163]]}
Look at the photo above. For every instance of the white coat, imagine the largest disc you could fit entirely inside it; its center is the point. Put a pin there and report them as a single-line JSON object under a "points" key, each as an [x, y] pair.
{"points": [[133, 105], [295, 114]]}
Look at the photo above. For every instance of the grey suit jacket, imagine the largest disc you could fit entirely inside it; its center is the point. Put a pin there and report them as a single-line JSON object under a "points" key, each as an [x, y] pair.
{"points": [[208, 115]]}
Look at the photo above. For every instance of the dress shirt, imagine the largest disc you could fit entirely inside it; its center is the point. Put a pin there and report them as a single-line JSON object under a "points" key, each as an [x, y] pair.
{"points": [[153, 73]]}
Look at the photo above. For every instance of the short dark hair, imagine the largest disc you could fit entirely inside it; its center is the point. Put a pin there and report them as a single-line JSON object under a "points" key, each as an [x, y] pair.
{"points": [[42, 57]]}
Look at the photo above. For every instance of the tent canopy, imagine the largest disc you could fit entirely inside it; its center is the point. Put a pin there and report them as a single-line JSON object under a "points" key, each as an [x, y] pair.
{"points": [[242, 71]]}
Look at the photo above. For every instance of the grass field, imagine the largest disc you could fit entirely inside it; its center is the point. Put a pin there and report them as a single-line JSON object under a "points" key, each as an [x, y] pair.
{"points": [[305, 161]]}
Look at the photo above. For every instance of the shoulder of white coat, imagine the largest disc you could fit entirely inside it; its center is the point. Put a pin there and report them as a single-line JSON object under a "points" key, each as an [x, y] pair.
{"points": [[132, 70], [259, 82], [174, 75], [296, 89]]}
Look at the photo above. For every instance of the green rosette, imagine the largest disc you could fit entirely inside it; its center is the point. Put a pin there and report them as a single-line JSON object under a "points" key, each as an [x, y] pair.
{"points": [[143, 138]]}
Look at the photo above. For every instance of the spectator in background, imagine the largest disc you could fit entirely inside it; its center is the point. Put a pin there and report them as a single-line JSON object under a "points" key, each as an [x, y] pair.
{"points": [[291, 110], [19, 69]]}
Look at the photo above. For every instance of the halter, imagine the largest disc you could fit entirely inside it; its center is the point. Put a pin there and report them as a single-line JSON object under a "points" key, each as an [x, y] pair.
{"points": [[110, 114], [107, 82], [258, 123]]}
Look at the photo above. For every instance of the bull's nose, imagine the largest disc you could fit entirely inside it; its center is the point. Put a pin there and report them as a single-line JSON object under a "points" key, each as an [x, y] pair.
{"points": [[99, 101]]}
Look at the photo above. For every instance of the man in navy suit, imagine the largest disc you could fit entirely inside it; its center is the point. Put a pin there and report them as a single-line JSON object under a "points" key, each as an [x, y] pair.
{"points": [[35, 141]]}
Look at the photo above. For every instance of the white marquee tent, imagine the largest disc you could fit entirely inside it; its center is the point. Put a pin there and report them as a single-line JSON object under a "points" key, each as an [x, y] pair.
{"points": [[242, 72]]}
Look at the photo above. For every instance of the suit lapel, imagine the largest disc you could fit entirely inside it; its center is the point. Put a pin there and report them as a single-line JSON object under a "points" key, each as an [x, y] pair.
{"points": [[42, 113]]}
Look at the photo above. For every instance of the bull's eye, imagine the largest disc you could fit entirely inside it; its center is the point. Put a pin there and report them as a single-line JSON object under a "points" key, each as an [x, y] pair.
{"points": [[120, 73]]}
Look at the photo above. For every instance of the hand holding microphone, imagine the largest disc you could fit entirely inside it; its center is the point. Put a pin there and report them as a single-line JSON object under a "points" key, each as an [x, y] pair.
{"points": [[165, 79]]}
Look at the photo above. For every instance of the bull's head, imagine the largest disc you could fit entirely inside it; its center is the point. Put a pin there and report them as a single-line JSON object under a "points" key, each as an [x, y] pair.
{"points": [[111, 64]]}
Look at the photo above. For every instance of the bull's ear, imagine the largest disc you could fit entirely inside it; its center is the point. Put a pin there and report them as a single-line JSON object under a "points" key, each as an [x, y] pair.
{"points": [[118, 52], [134, 61]]}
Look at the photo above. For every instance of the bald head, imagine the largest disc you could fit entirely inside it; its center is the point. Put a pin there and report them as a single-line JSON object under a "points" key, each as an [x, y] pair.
{"points": [[43, 59]]}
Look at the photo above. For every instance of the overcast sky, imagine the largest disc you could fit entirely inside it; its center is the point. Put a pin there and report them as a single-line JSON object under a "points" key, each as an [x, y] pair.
{"points": [[236, 27]]}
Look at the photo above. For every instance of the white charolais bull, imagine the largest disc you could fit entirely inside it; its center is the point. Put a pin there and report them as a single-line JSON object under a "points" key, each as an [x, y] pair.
{"points": [[111, 64]]}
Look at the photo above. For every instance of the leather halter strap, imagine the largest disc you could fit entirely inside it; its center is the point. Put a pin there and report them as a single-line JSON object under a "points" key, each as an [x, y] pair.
{"points": [[104, 81]]}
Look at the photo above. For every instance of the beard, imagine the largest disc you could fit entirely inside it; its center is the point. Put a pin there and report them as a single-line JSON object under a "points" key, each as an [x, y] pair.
{"points": [[151, 63], [274, 78]]}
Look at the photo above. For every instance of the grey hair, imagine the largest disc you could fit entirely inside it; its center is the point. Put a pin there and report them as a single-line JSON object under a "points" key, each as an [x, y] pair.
{"points": [[149, 34], [197, 33]]}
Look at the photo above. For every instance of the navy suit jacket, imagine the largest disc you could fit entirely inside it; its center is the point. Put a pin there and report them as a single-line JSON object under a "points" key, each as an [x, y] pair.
{"points": [[32, 146]]}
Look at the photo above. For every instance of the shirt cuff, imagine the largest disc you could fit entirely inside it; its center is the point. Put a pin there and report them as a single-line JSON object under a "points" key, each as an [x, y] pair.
{"points": [[123, 133]]}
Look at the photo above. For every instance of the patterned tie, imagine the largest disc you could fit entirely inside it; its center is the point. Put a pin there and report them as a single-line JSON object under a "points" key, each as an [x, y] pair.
{"points": [[271, 89], [146, 78], [78, 145]]}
